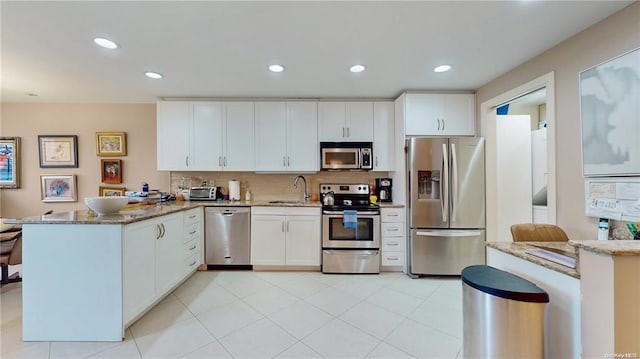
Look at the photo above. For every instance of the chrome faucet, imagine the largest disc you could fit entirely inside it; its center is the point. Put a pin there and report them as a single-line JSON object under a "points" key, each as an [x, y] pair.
{"points": [[295, 185]]}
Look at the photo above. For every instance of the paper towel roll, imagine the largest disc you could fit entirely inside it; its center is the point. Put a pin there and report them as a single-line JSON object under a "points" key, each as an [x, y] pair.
{"points": [[234, 190]]}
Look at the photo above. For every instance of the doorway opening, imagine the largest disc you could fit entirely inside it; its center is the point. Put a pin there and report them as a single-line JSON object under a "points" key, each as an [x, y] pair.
{"points": [[520, 157]]}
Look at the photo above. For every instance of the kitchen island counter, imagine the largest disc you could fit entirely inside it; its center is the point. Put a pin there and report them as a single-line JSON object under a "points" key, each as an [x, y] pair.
{"points": [[519, 250]]}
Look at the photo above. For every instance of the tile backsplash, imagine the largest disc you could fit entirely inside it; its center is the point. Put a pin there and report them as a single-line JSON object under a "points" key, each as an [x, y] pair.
{"points": [[273, 186]]}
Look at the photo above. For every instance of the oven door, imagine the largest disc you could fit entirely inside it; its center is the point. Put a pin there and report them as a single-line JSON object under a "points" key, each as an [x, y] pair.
{"points": [[340, 158], [366, 235]]}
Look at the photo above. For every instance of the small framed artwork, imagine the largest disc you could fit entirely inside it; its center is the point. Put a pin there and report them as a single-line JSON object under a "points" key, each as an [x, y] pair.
{"points": [[111, 143], [106, 191], [58, 151], [58, 188], [111, 171], [9, 162]]}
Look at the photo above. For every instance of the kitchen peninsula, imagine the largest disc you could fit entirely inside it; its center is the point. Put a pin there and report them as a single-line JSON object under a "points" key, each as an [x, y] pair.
{"points": [[585, 316]]}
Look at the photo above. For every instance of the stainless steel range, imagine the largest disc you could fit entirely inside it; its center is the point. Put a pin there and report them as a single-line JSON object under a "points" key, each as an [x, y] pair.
{"points": [[350, 229]]}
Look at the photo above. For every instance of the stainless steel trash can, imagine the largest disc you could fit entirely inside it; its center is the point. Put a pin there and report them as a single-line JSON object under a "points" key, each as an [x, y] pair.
{"points": [[503, 315]]}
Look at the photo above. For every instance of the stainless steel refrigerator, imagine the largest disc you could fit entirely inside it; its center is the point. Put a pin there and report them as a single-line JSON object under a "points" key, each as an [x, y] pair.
{"points": [[446, 204]]}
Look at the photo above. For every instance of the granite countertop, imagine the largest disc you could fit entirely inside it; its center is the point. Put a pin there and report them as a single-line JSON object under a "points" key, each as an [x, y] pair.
{"points": [[613, 247], [518, 249]]}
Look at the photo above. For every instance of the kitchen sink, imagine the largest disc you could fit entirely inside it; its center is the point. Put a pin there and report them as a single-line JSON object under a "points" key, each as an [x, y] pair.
{"points": [[286, 202]]}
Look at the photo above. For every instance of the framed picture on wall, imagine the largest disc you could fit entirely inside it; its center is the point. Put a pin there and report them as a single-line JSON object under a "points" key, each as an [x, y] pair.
{"points": [[106, 191], [111, 171], [9, 162], [111, 143], [58, 188], [58, 151], [610, 117]]}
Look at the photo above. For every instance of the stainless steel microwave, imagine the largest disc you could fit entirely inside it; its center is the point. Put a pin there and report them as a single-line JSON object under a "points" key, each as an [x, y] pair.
{"points": [[346, 155]]}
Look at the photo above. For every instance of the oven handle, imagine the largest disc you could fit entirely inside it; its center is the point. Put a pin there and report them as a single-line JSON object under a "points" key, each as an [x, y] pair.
{"points": [[351, 252], [365, 213]]}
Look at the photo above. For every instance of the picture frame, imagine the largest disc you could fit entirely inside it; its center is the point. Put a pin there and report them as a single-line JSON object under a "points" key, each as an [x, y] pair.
{"points": [[107, 191], [59, 151], [10, 162], [111, 143], [609, 117], [111, 171], [58, 188]]}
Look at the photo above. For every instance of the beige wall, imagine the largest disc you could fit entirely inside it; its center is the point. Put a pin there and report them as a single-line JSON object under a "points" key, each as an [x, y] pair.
{"points": [[613, 36], [84, 120]]}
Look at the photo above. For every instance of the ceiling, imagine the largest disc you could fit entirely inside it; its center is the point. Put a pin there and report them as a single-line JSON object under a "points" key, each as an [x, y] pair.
{"points": [[222, 49]]}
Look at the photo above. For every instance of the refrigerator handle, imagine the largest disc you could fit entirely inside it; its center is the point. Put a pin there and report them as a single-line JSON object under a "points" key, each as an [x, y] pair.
{"points": [[444, 184], [454, 181]]}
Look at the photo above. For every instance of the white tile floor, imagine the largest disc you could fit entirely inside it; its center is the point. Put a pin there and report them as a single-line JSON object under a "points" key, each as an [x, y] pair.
{"points": [[243, 314]]}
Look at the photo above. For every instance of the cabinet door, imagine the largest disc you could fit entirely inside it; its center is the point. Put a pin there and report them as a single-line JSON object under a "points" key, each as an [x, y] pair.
{"points": [[239, 154], [302, 137], [303, 240], [138, 267], [271, 135], [267, 240], [206, 136], [332, 121], [173, 126], [457, 114], [360, 121], [421, 115], [383, 136], [169, 249]]}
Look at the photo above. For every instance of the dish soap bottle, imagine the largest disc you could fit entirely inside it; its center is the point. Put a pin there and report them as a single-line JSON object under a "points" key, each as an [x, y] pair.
{"points": [[247, 195]]}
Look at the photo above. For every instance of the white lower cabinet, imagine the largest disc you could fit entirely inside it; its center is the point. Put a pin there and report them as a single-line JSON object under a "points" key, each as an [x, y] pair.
{"points": [[392, 230], [155, 259], [285, 236]]}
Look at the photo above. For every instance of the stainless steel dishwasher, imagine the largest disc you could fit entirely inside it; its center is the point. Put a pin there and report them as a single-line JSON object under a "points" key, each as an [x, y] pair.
{"points": [[227, 236]]}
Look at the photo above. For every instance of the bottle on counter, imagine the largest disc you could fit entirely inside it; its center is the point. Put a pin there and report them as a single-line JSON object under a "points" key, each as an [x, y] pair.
{"points": [[247, 195], [145, 187]]}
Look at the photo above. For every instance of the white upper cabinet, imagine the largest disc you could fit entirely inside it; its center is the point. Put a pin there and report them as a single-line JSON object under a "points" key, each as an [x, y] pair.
{"points": [[287, 136], [239, 142], [205, 136], [383, 136], [345, 121], [439, 114]]}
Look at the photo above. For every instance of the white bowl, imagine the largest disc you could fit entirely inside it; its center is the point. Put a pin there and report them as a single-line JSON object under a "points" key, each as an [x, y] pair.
{"points": [[106, 205]]}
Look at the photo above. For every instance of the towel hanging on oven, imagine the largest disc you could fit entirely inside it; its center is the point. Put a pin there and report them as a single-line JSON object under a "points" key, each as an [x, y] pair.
{"points": [[350, 218]]}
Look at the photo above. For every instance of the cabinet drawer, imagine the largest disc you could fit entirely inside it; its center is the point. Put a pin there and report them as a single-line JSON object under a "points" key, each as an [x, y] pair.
{"points": [[192, 216], [392, 244], [392, 258], [392, 230], [192, 263], [192, 247], [392, 215], [191, 232]]}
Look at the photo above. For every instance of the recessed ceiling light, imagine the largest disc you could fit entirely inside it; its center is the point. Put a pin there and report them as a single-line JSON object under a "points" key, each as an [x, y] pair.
{"points": [[106, 43], [276, 68], [357, 68], [31, 94], [153, 75], [442, 68]]}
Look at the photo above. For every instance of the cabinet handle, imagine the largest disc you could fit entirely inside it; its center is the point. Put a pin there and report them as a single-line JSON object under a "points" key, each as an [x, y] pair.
{"points": [[287, 226], [219, 161], [392, 214], [192, 232], [376, 161], [393, 244], [347, 131], [343, 132], [284, 161], [158, 231], [192, 248], [443, 124], [288, 161], [192, 264], [225, 161], [163, 230], [392, 258], [392, 229], [438, 124], [192, 216], [186, 161]]}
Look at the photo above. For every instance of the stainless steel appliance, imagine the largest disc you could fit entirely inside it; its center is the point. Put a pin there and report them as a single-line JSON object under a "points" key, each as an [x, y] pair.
{"points": [[227, 236], [346, 155], [204, 193], [383, 189], [345, 248], [446, 204]]}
